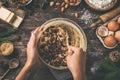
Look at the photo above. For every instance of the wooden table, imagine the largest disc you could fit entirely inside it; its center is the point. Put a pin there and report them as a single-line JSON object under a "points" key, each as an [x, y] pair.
{"points": [[35, 17]]}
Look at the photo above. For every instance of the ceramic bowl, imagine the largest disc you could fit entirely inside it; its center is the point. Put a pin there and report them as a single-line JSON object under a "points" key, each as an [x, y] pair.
{"points": [[101, 9], [74, 25]]}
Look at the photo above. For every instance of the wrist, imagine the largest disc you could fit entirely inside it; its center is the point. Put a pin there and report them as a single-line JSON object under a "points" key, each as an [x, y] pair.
{"points": [[29, 64], [79, 75]]}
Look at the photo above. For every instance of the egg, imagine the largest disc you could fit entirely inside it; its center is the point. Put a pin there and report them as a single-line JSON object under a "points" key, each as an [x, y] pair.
{"points": [[118, 20], [102, 31], [113, 26], [117, 35], [110, 41]]}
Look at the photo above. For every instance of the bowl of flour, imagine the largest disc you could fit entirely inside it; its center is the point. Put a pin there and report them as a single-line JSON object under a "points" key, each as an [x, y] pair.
{"points": [[101, 5]]}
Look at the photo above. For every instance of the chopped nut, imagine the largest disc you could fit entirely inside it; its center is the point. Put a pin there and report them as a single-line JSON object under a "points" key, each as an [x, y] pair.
{"points": [[63, 4], [76, 15], [52, 3], [57, 3], [66, 6], [62, 9]]}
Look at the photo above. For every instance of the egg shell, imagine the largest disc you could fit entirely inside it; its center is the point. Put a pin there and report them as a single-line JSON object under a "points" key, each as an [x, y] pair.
{"points": [[113, 26], [110, 41], [118, 20], [117, 35]]}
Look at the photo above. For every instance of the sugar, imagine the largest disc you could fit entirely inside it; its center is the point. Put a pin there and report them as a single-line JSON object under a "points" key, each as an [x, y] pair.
{"points": [[101, 3]]}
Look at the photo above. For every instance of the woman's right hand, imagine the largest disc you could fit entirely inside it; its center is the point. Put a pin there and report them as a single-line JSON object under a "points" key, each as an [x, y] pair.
{"points": [[76, 62]]}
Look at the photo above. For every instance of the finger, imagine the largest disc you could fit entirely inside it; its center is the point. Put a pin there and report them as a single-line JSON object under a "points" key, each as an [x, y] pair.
{"points": [[81, 50], [71, 48], [84, 53], [70, 53], [36, 31], [32, 40]]}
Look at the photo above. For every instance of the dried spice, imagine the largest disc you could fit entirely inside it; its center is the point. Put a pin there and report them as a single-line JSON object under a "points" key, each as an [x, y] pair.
{"points": [[114, 56]]}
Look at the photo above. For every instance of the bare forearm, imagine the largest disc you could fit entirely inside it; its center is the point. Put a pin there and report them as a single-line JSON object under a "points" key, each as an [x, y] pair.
{"points": [[79, 76], [25, 73]]}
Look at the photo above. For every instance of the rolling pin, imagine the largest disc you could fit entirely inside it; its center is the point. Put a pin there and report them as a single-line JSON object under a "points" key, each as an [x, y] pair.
{"points": [[107, 16]]}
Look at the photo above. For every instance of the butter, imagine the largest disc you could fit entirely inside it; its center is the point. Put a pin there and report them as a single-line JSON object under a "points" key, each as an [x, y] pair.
{"points": [[10, 17], [4, 13]]}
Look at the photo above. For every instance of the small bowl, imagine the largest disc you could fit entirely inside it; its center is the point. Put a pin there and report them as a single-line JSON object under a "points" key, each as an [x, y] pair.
{"points": [[10, 49], [73, 25], [101, 9], [15, 5]]}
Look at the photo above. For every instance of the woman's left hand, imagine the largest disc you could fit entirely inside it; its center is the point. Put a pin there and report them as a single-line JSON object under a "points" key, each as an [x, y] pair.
{"points": [[32, 52]]}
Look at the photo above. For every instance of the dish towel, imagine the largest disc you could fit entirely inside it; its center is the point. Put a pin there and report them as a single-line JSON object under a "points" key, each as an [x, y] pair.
{"points": [[61, 74]]}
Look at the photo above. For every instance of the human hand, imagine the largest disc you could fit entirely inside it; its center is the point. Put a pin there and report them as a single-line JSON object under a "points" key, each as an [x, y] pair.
{"points": [[76, 61], [32, 52]]}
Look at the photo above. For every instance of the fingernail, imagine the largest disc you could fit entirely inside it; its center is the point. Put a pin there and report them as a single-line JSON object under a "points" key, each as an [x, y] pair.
{"points": [[69, 50], [32, 34]]}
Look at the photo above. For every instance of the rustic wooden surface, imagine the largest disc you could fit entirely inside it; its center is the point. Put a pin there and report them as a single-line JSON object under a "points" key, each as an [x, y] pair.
{"points": [[35, 16]]}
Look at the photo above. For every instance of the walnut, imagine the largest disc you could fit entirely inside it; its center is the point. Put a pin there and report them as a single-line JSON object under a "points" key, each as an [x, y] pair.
{"points": [[114, 56]]}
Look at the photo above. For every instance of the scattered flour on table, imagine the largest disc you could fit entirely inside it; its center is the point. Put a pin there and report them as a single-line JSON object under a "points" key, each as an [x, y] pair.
{"points": [[101, 3], [87, 16]]}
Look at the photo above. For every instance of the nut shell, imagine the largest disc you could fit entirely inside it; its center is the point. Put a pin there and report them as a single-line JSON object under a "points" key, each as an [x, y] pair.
{"points": [[102, 31]]}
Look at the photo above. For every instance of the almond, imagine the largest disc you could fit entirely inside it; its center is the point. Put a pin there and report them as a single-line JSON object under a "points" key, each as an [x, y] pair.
{"points": [[66, 5], [76, 15], [57, 3], [62, 9], [52, 3], [63, 4], [67, 1], [72, 4]]}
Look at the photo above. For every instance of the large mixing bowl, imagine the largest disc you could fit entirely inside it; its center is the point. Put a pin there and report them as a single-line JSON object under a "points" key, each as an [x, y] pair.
{"points": [[82, 43]]}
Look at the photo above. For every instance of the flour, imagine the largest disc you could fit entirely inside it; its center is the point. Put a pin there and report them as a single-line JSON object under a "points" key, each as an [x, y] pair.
{"points": [[101, 3]]}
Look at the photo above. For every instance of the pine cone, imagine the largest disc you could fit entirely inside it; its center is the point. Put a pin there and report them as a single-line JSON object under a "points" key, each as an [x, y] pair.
{"points": [[114, 56]]}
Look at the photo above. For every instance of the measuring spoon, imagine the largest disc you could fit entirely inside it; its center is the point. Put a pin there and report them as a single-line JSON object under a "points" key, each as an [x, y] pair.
{"points": [[13, 63]]}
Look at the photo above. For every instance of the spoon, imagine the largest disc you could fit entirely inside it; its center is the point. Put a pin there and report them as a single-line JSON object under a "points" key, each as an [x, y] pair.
{"points": [[13, 63]]}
